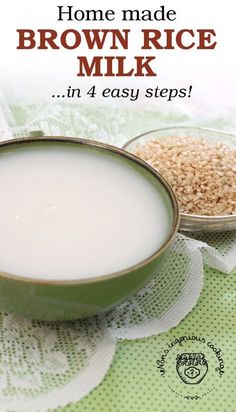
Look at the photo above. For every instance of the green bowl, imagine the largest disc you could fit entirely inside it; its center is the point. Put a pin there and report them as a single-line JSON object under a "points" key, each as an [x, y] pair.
{"points": [[46, 299]]}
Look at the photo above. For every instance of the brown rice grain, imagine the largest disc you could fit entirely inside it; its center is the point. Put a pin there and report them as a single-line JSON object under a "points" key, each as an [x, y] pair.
{"points": [[202, 173]]}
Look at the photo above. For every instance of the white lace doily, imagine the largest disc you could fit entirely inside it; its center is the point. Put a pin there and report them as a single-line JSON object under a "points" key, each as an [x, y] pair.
{"points": [[47, 365]]}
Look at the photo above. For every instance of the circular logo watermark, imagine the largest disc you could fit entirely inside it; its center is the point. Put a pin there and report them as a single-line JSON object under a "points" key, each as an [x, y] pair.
{"points": [[191, 366]]}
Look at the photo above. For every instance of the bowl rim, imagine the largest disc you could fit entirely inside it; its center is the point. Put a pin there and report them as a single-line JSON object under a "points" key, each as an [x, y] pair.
{"points": [[201, 218], [96, 144]]}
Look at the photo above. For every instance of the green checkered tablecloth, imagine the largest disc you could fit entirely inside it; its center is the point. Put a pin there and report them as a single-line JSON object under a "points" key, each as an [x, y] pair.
{"points": [[134, 383], [153, 374]]}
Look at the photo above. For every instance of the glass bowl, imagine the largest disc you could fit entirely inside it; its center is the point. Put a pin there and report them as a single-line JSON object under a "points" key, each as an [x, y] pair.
{"points": [[190, 222]]}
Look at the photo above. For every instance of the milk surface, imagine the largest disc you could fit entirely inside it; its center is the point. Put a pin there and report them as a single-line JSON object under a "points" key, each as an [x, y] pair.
{"points": [[68, 212]]}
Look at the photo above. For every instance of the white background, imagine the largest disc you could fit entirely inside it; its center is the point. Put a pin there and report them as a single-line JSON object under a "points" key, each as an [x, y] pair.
{"points": [[39, 73]]}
